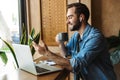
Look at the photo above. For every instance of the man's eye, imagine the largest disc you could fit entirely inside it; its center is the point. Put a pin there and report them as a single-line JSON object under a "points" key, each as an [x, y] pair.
{"points": [[70, 17]]}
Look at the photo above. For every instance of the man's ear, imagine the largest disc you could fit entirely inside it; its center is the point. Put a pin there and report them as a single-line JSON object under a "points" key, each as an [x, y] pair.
{"points": [[81, 18]]}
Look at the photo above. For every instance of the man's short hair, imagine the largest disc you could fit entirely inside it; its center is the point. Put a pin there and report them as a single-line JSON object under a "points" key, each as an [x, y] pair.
{"points": [[80, 9]]}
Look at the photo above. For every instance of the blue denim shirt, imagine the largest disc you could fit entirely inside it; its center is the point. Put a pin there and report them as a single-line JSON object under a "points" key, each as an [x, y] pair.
{"points": [[92, 62]]}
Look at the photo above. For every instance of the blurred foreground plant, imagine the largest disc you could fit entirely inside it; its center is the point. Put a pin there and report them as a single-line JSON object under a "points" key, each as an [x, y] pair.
{"points": [[3, 55], [24, 40]]}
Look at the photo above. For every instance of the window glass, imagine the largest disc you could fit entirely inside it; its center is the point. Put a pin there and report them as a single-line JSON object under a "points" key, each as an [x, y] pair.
{"points": [[9, 27], [9, 20]]}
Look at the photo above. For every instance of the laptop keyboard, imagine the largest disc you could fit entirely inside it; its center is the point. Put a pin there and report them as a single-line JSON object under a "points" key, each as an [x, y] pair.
{"points": [[39, 69]]}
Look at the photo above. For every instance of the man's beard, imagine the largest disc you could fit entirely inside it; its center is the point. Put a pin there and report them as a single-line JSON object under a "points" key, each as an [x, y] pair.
{"points": [[77, 26]]}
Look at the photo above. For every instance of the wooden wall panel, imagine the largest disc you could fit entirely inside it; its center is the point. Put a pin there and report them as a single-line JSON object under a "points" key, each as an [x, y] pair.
{"points": [[106, 16], [53, 13], [72, 1], [33, 15]]}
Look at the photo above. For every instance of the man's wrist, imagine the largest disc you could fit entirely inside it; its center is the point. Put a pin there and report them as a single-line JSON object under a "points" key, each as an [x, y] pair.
{"points": [[60, 45], [47, 53]]}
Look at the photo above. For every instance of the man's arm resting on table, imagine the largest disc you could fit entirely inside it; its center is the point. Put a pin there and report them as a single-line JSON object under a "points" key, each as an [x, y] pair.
{"points": [[43, 49], [64, 62]]}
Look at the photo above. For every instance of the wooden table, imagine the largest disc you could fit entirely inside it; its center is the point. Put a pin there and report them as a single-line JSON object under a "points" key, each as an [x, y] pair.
{"points": [[18, 74], [23, 75]]}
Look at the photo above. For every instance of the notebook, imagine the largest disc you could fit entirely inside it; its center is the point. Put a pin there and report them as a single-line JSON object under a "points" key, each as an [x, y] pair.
{"points": [[25, 61]]}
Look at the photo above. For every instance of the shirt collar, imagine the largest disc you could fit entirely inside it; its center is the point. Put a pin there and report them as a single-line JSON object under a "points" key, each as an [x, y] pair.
{"points": [[86, 31]]}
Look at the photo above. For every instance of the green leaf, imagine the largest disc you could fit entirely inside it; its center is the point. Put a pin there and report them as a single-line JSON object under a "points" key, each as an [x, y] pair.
{"points": [[23, 38], [12, 50], [3, 57], [36, 39], [32, 33]]}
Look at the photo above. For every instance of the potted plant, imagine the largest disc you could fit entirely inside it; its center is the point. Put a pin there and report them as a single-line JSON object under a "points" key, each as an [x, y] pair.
{"points": [[114, 48], [28, 41]]}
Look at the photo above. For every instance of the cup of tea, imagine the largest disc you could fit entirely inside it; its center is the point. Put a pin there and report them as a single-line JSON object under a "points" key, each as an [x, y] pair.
{"points": [[63, 36]]}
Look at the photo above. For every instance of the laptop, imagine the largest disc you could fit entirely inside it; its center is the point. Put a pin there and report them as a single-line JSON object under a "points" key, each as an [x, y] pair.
{"points": [[25, 61]]}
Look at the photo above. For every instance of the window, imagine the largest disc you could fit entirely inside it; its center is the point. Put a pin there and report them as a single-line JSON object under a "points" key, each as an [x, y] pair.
{"points": [[9, 25], [9, 20]]}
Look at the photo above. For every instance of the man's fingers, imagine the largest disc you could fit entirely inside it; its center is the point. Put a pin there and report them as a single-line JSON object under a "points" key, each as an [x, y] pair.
{"points": [[43, 45], [34, 44]]}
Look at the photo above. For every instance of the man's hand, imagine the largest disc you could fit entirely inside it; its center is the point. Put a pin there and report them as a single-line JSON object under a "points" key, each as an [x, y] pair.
{"points": [[57, 39], [41, 48]]}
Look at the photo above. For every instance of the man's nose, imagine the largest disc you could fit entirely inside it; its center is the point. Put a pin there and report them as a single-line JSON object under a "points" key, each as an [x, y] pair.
{"points": [[67, 22]]}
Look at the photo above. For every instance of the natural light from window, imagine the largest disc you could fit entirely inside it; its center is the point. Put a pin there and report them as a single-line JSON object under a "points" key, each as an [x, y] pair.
{"points": [[9, 20], [9, 23]]}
